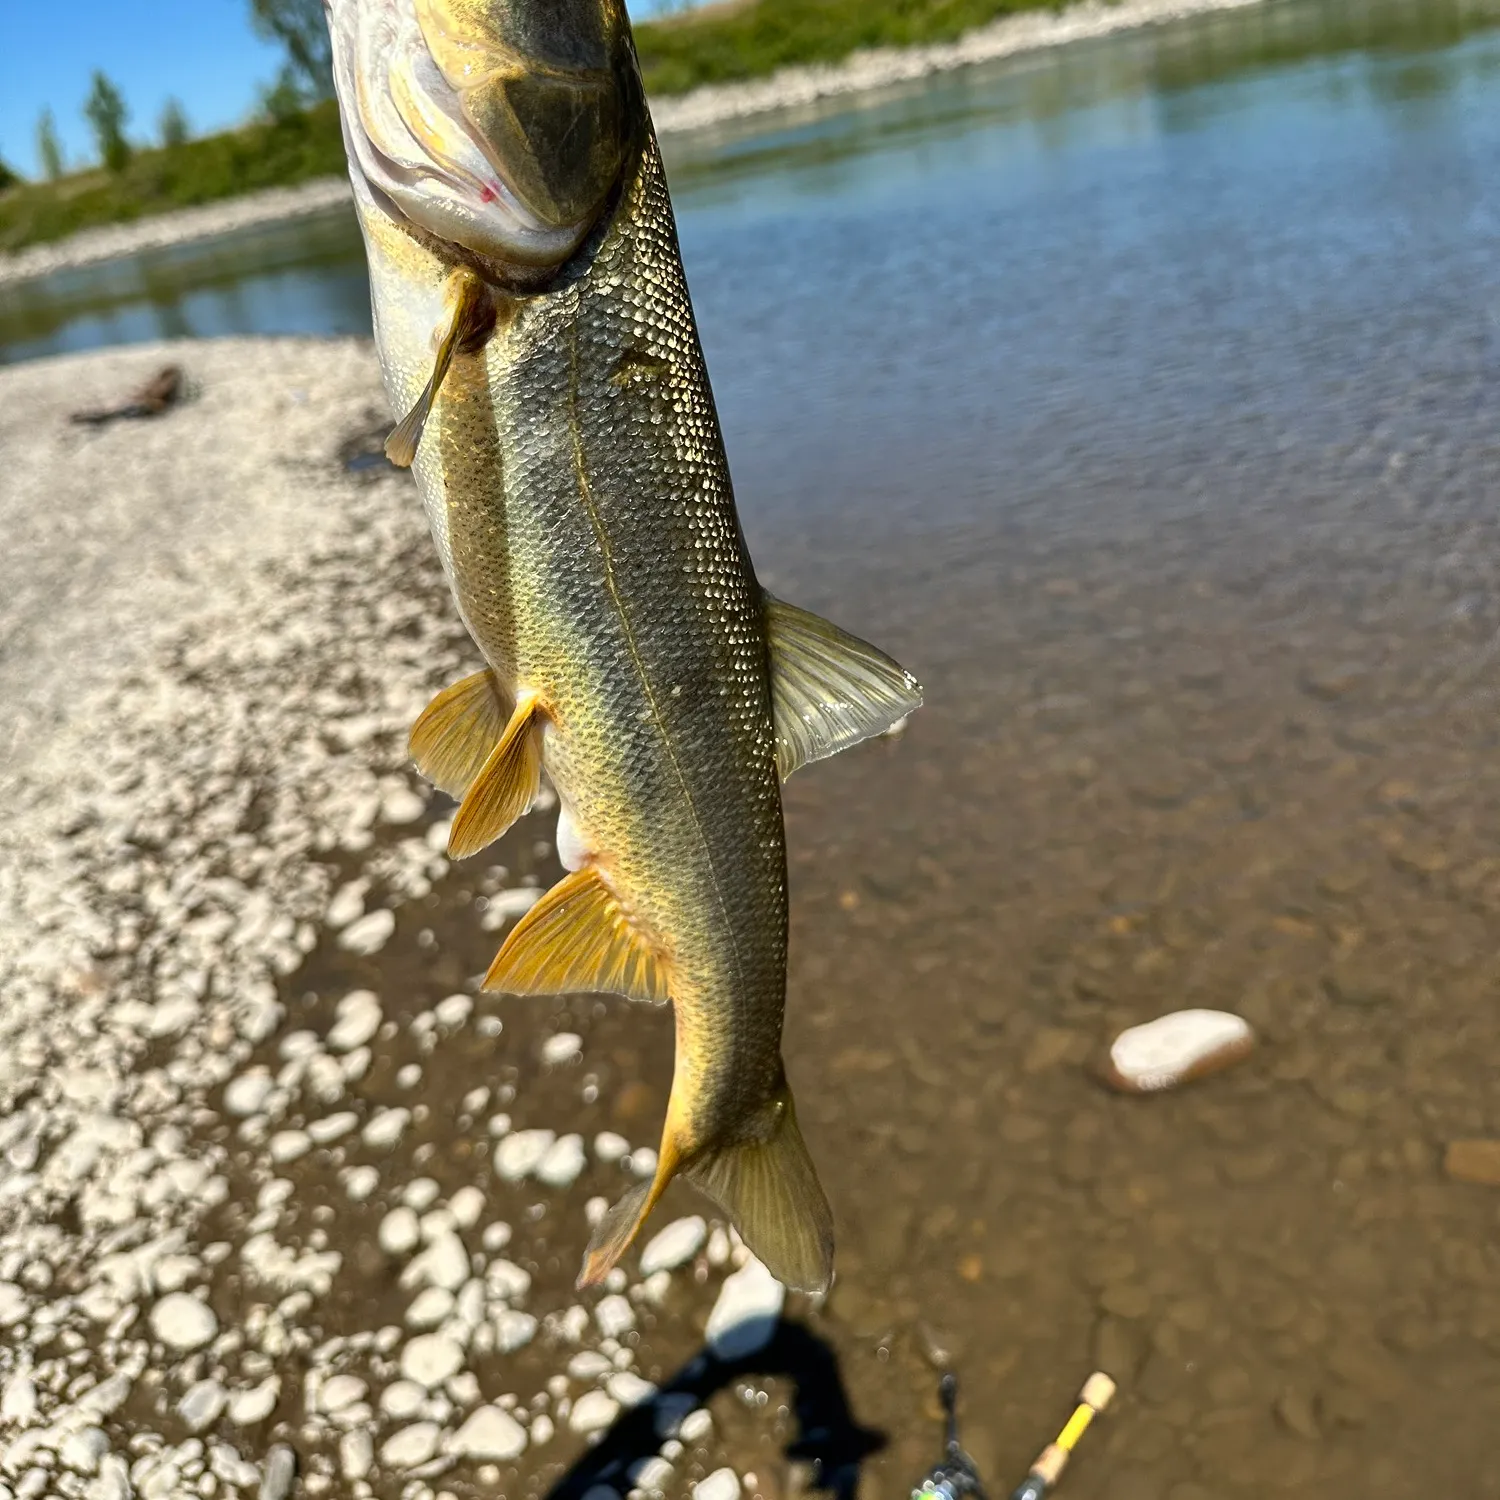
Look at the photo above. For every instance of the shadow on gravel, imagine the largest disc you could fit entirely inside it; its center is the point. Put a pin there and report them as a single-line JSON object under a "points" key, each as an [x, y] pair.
{"points": [[828, 1436]]}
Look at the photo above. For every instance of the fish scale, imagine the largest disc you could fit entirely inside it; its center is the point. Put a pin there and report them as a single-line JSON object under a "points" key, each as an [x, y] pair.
{"points": [[570, 459]]}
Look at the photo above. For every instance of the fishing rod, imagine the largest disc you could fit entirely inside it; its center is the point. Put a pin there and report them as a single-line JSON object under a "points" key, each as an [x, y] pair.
{"points": [[955, 1477]]}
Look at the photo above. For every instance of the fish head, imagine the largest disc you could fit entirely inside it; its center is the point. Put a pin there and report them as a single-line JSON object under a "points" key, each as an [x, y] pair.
{"points": [[498, 125]]}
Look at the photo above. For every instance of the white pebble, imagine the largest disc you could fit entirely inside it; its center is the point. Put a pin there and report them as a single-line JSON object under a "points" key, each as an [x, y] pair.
{"points": [[562, 1163], [402, 1398], [402, 805], [370, 933], [615, 1316], [281, 1473], [385, 1128], [246, 1094], [722, 1484], [562, 1048], [339, 1391], [421, 1193], [519, 1154], [643, 1161], [513, 1330], [696, 1426], [673, 1246], [745, 1316], [430, 1358], [83, 1450], [18, 1402], [358, 1019], [183, 1322], [593, 1411], [490, 1434], [356, 1454], [429, 1308], [466, 1205], [360, 1183], [629, 1389], [332, 1127], [411, 1446], [201, 1404], [399, 1232], [609, 1147], [1175, 1048], [246, 1408], [443, 1263], [348, 904], [289, 1145], [453, 1011]]}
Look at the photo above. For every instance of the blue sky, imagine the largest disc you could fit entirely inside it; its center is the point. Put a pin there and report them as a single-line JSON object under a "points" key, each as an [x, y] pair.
{"points": [[202, 51]]}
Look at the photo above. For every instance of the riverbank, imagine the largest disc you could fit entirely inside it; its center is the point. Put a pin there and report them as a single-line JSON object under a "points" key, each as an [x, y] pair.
{"points": [[229, 1221], [700, 109]]}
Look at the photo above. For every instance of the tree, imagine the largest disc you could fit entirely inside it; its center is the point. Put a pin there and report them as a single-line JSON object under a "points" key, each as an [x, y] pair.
{"points": [[173, 124], [299, 26], [48, 147], [106, 114], [8, 176]]}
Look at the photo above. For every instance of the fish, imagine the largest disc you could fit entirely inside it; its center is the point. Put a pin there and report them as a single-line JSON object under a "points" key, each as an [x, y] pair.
{"points": [[536, 336]]}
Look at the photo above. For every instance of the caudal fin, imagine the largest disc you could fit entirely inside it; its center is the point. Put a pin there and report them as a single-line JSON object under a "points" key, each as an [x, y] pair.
{"points": [[770, 1190], [768, 1187]]}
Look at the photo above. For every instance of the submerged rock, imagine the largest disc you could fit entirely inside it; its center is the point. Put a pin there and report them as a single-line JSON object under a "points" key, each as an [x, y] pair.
{"points": [[1176, 1048]]}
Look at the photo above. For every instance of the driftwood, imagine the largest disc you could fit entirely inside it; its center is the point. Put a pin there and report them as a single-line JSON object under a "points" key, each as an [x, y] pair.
{"points": [[163, 390]]}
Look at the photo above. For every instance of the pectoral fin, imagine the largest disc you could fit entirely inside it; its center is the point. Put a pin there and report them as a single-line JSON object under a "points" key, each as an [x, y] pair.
{"points": [[829, 689], [578, 938], [456, 732], [470, 319], [506, 785]]}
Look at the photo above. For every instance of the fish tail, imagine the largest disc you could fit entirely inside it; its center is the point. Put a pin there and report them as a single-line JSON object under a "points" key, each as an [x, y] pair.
{"points": [[769, 1188], [767, 1185]]}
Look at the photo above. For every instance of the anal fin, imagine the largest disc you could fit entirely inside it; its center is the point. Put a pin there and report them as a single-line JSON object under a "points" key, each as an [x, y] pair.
{"points": [[829, 689], [456, 732], [471, 317], [578, 938], [506, 785]]}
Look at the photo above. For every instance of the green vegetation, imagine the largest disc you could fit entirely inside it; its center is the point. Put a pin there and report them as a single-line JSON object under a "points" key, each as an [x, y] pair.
{"points": [[48, 147], [9, 177], [722, 43], [303, 33], [106, 113], [299, 140], [268, 154], [173, 125]]}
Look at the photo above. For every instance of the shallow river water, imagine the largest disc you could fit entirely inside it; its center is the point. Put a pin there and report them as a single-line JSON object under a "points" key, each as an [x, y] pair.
{"points": [[1143, 399]]}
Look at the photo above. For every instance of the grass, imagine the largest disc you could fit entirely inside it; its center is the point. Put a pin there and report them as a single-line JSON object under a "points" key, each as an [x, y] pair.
{"points": [[723, 43], [279, 154], [739, 39]]}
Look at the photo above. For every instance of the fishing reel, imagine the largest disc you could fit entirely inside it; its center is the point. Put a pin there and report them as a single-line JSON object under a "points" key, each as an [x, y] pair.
{"points": [[956, 1478]]}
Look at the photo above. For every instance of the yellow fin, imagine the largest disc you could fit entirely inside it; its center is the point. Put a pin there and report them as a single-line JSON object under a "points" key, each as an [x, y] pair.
{"points": [[770, 1190], [615, 1231], [578, 938], [470, 320], [829, 689], [454, 734], [506, 785]]}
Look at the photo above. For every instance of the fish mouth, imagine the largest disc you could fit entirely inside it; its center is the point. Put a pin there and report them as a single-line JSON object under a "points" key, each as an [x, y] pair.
{"points": [[498, 125]]}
